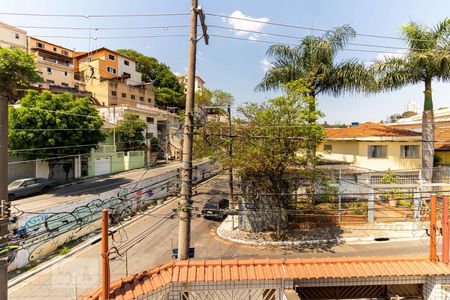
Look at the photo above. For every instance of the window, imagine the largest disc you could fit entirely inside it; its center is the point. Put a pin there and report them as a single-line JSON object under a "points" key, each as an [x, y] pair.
{"points": [[54, 49], [40, 45], [141, 99], [111, 57], [125, 74], [327, 148], [50, 81], [409, 151], [64, 52], [17, 36], [111, 70], [49, 70], [113, 93], [149, 100], [64, 84], [150, 120], [133, 97], [377, 151], [124, 95], [66, 73], [126, 62]]}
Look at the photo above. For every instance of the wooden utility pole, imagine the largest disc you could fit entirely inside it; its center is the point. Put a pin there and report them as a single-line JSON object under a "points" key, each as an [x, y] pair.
{"points": [[445, 237], [184, 232], [105, 256], [433, 210], [4, 218]]}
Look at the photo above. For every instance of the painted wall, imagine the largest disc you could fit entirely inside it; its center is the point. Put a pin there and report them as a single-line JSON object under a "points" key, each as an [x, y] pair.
{"points": [[134, 160], [135, 76], [18, 169], [42, 232], [12, 37], [117, 159], [356, 153]]}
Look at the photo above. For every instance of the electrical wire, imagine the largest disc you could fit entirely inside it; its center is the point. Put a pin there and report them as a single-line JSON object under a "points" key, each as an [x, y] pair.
{"points": [[87, 16]]}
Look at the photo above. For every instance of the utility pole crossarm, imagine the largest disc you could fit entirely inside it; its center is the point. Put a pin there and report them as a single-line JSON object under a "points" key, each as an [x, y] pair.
{"points": [[202, 16]]}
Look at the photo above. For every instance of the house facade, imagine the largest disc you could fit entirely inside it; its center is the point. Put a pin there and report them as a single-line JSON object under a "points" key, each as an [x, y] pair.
{"points": [[55, 63], [199, 82], [373, 146], [12, 37]]}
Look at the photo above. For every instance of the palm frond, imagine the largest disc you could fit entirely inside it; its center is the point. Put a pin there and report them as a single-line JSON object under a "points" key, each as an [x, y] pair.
{"points": [[392, 73]]}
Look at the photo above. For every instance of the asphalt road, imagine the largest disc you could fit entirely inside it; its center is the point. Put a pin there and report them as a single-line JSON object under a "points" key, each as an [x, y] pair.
{"points": [[155, 235], [88, 188]]}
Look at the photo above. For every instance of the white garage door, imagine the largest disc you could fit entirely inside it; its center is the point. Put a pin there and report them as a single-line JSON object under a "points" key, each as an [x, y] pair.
{"points": [[102, 165]]}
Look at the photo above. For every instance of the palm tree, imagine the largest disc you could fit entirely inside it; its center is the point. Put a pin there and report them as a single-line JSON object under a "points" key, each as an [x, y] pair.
{"points": [[428, 58], [313, 61]]}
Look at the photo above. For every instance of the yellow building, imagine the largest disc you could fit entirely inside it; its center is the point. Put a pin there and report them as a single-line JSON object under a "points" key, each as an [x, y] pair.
{"points": [[55, 63], [12, 37], [112, 79], [373, 146]]}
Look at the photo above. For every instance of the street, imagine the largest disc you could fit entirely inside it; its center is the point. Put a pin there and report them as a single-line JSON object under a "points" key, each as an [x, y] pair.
{"points": [[90, 187], [149, 242]]}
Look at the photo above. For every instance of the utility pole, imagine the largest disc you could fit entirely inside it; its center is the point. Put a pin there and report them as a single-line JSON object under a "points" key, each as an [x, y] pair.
{"points": [[184, 208], [232, 205], [105, 256], [114, 128], [4, 219], [167, 137]]}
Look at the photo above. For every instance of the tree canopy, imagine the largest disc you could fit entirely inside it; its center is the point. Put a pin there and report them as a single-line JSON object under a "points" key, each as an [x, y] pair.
{"points": [[428, 59], [52, 125], [17, 71], [168, 91], [131, 131]]}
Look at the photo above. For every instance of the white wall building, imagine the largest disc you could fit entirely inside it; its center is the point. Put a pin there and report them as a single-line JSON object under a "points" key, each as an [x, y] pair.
{"points": [[12, 37], [199, 82], [127, 66]]}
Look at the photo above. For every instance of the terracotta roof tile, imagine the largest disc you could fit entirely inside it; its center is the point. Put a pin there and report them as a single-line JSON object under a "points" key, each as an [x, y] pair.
{"points": [[263, 269], [443, 136], [369, 130]]}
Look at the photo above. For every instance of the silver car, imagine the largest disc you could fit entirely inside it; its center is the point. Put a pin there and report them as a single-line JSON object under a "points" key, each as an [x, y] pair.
{"points": [[28, 186]]}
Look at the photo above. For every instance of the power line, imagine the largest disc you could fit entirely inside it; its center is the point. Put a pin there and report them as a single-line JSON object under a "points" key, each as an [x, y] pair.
{"points": [[103, 28], [87, 16], [292, 44], [307, 28], [111, 37]]}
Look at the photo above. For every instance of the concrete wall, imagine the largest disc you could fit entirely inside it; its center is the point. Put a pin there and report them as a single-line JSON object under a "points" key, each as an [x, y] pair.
{"points": [[117, 159], [356, 153], [18, 169], [135, 76], [134, 160]]}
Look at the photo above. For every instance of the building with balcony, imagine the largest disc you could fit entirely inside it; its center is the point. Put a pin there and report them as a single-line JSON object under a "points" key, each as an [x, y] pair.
{"points": [[12, 37], [55, 63]]}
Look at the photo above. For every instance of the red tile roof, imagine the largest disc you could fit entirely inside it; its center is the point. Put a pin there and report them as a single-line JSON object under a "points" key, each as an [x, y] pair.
{"points": [[267, 269], [369, 130]]}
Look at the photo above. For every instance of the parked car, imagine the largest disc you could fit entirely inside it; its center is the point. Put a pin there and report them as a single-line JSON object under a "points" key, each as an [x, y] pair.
{"points": [[215, 208], [28, 186]]}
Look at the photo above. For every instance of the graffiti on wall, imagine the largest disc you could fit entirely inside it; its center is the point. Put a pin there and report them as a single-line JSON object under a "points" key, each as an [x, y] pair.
{"points": [[41, 233]]}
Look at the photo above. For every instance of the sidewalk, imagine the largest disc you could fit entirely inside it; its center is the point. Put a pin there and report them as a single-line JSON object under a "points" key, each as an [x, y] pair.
{"points": [[366, 234]]}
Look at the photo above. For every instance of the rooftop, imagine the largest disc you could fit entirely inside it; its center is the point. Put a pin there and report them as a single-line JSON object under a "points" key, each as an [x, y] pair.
{"points": [[442, 136], [368, 130], [267, 269]]}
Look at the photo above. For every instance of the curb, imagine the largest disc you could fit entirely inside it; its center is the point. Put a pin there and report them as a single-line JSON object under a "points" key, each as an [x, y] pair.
{"points": [[90, 242], [350, 240]]}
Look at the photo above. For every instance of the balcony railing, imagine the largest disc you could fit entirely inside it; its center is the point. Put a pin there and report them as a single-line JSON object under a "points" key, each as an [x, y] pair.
{"points": [[55, 62]]}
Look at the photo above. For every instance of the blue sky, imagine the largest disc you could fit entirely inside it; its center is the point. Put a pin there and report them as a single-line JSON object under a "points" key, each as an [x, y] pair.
{"points": [[237, 66]]}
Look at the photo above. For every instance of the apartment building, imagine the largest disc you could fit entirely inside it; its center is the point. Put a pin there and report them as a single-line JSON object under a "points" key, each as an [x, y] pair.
{"points": [[55, 63], [12, 37], [112, 78], [199, 82]]}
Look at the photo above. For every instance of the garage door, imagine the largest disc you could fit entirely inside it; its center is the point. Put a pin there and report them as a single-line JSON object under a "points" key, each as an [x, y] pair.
{"points": [[102, 165]]}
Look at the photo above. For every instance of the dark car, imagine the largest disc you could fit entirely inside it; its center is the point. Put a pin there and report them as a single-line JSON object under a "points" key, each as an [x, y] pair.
{"points": [[28, 186], [215, 208]]}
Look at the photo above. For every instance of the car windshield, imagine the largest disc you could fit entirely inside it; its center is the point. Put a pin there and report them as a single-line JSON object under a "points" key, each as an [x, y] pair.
{"points": [[14, 184], [211, 205]]}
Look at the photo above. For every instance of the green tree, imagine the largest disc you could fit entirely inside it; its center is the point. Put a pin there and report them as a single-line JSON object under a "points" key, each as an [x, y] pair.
{"points": [[270, 143], [161, 77], [47, 124], [428, 58], [17, 71], [131, 131], [314, 61]]}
